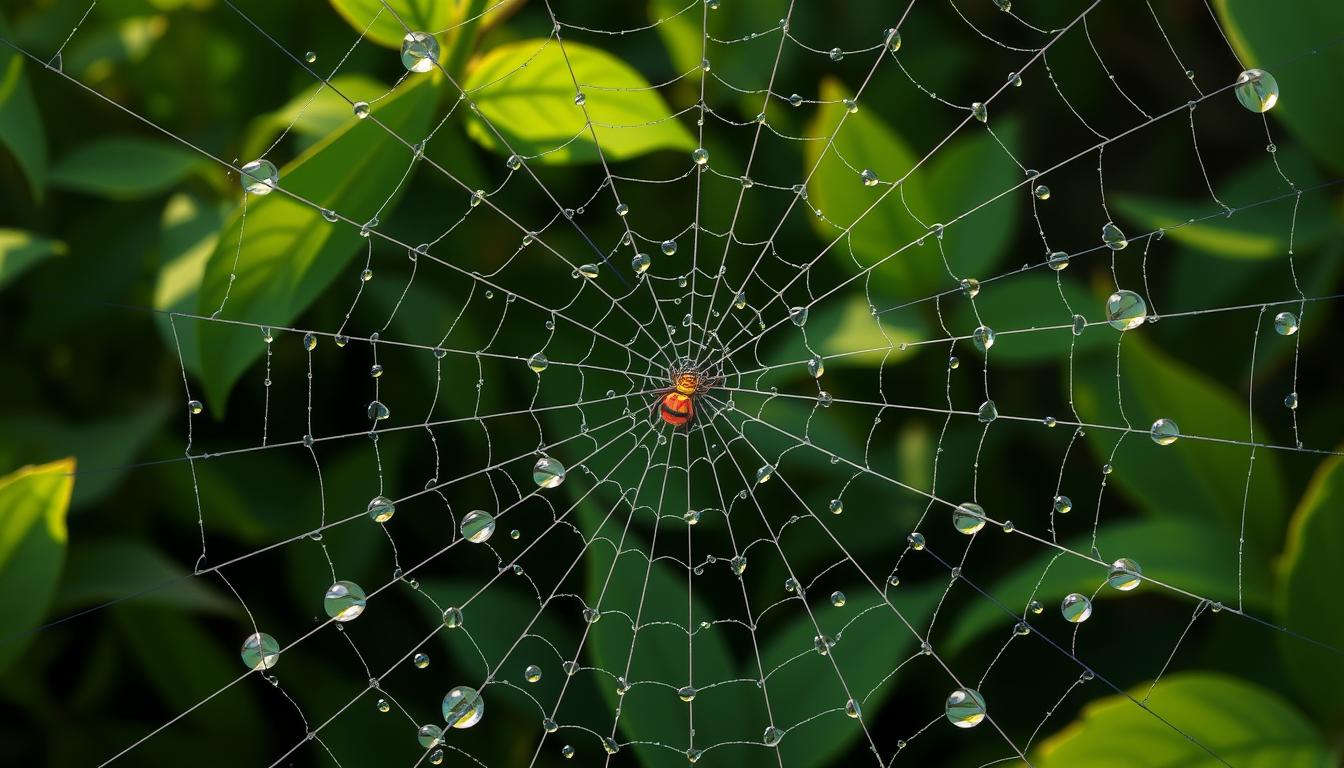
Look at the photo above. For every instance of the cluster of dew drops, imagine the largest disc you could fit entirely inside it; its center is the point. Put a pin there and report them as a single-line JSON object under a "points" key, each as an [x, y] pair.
{"points": [[463, 706]]}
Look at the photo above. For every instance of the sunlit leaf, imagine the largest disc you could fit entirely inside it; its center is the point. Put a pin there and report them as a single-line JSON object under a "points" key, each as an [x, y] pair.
{"points": [[289, 253], [125, 167], [33, 503], [386, 25], [21, 129], [21, 251], [1238, 721], [526, 91]]}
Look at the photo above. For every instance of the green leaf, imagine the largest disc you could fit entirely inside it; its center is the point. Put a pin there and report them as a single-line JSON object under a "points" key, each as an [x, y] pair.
{"points": [[978, 166], [111, 569], [125, 167], [187, 237], [1310, 574], [1022, 302], [20, 123], [526, 92], [107, 445], [849, 329], [1192, 477], [1246, 725], [33, 503], [682, 29], [421, 15], [1161, 547], [1256, 233], [289, 253], [1270, 35], [316, 112], [863, 661], [21, 251]]}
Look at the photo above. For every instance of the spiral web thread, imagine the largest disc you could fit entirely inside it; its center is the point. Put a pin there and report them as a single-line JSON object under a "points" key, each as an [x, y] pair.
{"points": [[611, 346]]}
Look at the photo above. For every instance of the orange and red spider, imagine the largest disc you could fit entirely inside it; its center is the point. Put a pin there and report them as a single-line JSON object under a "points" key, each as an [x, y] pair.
{"points": [[677, 405]]}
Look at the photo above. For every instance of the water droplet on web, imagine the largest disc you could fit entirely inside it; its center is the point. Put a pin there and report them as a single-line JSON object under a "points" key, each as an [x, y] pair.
{"points": [[429, 735], [344, 601], [1164, 432], [421, 661], [686, 693], [377, 411], [1285, 323], [260, 651], [700, 155], [538, 362], [915, 540], [738, 565], [1290, 401], [419, 51], [740, 301], [1076, 608], [1041, 192], [610, 746], [548, 473], [822, 644], [361, 109], [591, 615], [1257, 90], [463, 707], [764, 474], [836, 506], [824, 399], [968, 518], [987, 412], [1058, 261], [772, 736], [567, 751], [795, 100], [1125, 575], [983, 337], [980, 112], [477, 526], [513, 162], [452, 618], [1113, 237], [1126, 310], [381, 509], [798, 316], [383, 706], [838, 599], [580, 99], [259, 177], [965, 707], [1021, 629], [587, 270]]}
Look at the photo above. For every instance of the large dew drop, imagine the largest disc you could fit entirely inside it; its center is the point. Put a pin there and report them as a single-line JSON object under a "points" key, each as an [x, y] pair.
{"points": [[478, 526], [538, 363], [983, 337], [798, 315], [344, 601], [381, 509], [965, 708], [1076, 608], [1165, 432], [419, 51], [1257, 90], [988, 412], [463, 707], [260, 651], [1285, 323], [1126, 310], [1113, 237], [548, 473], [968, 518], [259, 177], [429, 735], [1125, 575]]}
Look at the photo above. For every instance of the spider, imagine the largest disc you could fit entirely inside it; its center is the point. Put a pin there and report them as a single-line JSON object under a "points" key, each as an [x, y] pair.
{"points": [[679, 403]]}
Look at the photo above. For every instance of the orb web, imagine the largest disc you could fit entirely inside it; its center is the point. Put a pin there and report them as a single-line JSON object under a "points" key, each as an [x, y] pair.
{"points": [[501, 525]]}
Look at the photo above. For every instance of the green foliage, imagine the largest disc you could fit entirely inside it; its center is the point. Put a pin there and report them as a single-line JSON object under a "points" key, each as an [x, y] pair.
{"points": [[1311, 570], [115, 568], [125, 167], [291, 253], [20, 124], [1240, 722], [1268, 35], [21, 251], [534, 110], [386, 24], [33, 503]]}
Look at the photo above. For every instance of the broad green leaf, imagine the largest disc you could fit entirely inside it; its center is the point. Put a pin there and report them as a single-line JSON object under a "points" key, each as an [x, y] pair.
{"points": [[1192, 477], [872, 642], [289, 253], [187, 237], [849, 329], [1275, 35], [1310, 575], [108, 445], [33, 503], [1020, 303], [653, 713], [313, 114], [21, 251], [1161, 547], [978, 164], [682, 28], [125, 167], [526, 92], [381, 26], [112, 569], [21, 129], [1242, 723], [100, 52], [1261, 232]]}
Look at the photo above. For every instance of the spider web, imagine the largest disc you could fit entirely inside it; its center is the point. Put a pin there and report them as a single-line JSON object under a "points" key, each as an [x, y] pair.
{"points": [[728, 592]]}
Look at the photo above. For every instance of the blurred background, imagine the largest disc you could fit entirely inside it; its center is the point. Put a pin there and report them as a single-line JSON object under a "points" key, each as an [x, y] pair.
{"points": [[119, 241]]}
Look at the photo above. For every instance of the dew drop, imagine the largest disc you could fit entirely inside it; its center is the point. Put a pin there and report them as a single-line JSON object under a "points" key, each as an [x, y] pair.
{"points": [[1285, 323], [798, 315], [1076, 608], [915, 540], [816, 366], [869, 177], [421, 661], [1125, 575], [1126, 310], [795, 100], [686, 693], [1113, 237], [772, 736], [965, 707], [764, 474], [477, 526], [259, 177], [344, 601], [452, 618], [1164, 432], [968, 518], [381, 509], [260, 651], [377, 411], [980, 112], [641, 261], [700, 156], [538, 362], [463, 707], [548, 473], [983, 337], [738, 565], [419, 51], [361, 109], [1058, 261], [567, 751], [1063, 504], [1257, 90], [1041, 192], [383, 706], [838, 599], [987, 412]]}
